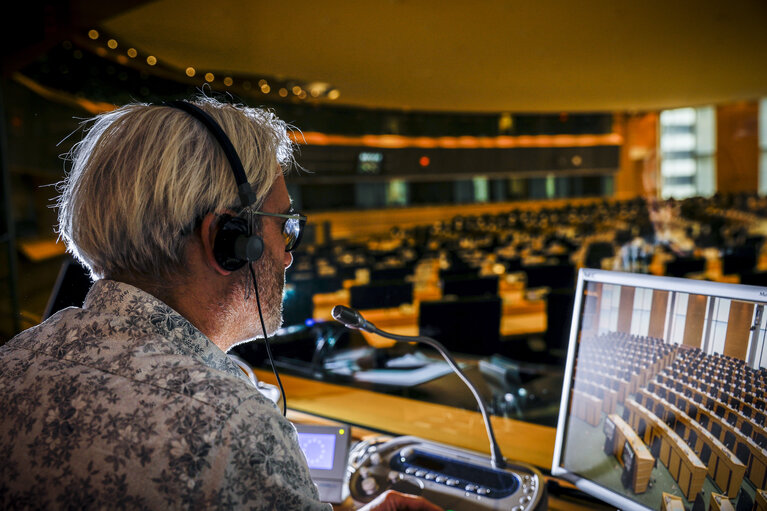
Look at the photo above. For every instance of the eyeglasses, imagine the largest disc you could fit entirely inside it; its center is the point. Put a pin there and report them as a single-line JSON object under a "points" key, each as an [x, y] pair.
{"points": [[292, 229]]}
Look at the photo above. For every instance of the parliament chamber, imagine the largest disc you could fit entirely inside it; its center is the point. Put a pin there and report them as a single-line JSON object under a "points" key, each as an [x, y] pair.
{"points": [[471, 213]]}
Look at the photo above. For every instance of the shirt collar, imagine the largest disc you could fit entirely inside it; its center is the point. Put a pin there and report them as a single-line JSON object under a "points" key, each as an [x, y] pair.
{"points": [[152, 315]]}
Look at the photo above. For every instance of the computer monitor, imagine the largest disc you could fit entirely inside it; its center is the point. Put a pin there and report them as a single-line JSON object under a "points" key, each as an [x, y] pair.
{"points": [[468, 325], [470, 286], [663, 327], [553, 276], [381, 295]]}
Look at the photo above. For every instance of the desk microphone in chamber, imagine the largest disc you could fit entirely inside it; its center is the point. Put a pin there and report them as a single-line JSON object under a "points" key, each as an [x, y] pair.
{"points": [[448, 476], [353, 319]]}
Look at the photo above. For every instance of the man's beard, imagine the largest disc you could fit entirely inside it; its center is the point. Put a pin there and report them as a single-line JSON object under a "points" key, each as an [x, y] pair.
{"points": [[270, 279], [271, 283]]}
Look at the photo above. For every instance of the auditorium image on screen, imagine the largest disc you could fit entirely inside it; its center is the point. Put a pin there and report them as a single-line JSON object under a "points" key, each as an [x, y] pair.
{"points": [[666, 400]]}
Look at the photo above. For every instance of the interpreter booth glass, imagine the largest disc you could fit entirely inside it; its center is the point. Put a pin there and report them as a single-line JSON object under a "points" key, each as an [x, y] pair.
{"points": [[664, 391]]}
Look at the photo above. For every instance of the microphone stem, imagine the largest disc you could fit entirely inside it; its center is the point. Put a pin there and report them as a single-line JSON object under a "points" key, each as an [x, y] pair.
{"points": [[496, 458]]}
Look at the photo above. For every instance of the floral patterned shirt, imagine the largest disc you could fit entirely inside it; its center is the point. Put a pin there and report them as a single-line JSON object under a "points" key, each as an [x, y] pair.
{"points": [[124, 404]]}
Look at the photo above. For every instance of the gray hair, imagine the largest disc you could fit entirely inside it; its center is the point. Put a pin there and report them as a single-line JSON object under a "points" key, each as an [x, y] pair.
{"points": [[144, 174]]}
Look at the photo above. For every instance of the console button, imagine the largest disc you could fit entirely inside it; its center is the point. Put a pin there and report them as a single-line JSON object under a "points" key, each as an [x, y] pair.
{"points": [[483, 491], [420, 473], [410, 470], [471, 487], [526, 499], [430, 476], [369, 485], [440, 479], [453, 482]]}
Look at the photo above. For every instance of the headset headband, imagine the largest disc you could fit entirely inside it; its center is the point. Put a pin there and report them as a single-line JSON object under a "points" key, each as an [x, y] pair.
{"points": [[244, 190]]}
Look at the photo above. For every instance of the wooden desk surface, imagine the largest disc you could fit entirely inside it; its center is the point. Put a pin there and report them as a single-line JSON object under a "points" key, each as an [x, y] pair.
{"points": [[720, 502], [675, 453], [530, 443], [642, 457], [672, 502], [554, 503], [761, 500]]}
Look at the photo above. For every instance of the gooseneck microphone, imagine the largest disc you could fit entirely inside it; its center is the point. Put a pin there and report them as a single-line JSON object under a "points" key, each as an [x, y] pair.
{"points": [[351, 318]]}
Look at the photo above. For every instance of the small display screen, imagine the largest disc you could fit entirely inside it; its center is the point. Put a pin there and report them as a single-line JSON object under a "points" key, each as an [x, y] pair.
{"points": [[369, 162], [318, 449]]}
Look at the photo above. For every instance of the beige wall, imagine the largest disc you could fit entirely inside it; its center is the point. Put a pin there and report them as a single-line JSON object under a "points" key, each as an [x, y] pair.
{"points": [[626, 309], [658, 314], [693, 326], [639, 171], [738, 329], [737, 147]]}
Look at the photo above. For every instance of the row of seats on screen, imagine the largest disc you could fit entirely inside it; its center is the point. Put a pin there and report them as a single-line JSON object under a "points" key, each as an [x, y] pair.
{"points": [[746, 385], [730, 439], [714, 398], [684, 384], [694, 403], [629, 354], [734, 369]]}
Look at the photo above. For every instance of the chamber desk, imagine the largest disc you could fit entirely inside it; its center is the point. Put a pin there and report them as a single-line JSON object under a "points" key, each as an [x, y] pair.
{"points": [[530, 443], [720, 502], [723, 466], [519, 316], [672, 503], [370, 413], [643, 459], [682, 463]]}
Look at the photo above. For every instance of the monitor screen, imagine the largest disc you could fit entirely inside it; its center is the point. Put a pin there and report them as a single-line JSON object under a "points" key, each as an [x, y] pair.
{"points": [[470, 286], [465, 325], [554, 276], [369, 162], [381, 295], [318, 449], [651, 361]]}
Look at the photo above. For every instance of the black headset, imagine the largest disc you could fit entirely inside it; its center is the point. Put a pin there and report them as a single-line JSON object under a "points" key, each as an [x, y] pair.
{"points": [[235, 243]]}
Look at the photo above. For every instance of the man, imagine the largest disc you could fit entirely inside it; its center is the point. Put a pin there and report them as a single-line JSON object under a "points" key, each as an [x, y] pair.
{"points": [[130, 401]]}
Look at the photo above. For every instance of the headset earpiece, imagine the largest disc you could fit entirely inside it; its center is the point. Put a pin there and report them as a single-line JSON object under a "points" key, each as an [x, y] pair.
{"points": [[233, 247]]}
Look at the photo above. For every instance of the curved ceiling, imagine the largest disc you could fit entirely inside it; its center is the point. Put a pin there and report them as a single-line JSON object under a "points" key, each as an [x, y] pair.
{"points": [[483, 56]]}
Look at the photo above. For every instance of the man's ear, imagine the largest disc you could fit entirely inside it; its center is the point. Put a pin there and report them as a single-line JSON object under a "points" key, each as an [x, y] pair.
{"points": [[208, 231]]}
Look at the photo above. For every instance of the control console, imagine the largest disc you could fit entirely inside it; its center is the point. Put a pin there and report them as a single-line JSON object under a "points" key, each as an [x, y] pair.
{"points": [[450, 477]]}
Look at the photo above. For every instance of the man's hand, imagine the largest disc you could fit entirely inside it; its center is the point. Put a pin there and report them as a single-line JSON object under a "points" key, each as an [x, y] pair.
{"points": [[391, 500]]}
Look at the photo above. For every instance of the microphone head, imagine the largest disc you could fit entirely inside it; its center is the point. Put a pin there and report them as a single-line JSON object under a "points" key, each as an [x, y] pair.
{"points": [[350, 318]]}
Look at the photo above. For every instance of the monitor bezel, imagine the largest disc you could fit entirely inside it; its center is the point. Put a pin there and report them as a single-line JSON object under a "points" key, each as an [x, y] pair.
{"points": [[585, 275], [341, 433]]}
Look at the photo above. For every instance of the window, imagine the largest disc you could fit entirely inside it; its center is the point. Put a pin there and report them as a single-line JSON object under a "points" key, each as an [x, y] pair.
{"points": [[640, 317], [687, 147], [759, 356], [678, 318], [718, 325], [397, 193], [609, 307]]}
